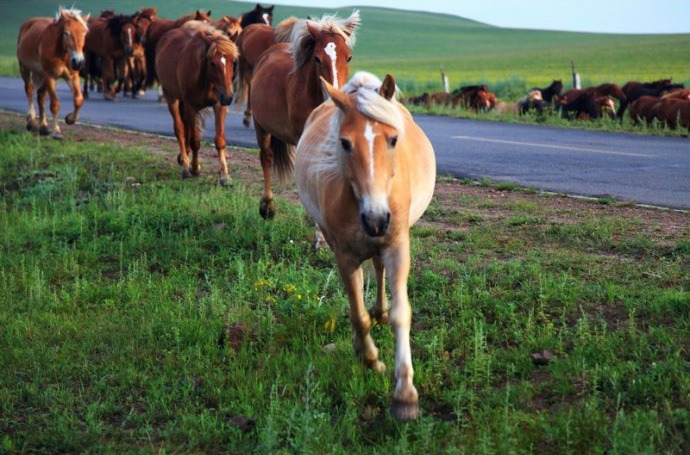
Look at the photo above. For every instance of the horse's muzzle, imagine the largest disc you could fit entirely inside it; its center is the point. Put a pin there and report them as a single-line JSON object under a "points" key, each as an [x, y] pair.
{"points": [[376, 225], [224, 99], [76, 63]]}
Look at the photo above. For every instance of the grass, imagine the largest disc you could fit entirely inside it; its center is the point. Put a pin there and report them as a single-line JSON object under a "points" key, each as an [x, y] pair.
{"points": [[144, 314], [414, 46]]}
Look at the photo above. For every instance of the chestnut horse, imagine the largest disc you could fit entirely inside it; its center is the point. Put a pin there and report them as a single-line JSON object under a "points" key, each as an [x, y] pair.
{"points": [[286, 88], [195, 64], [230, 26], [259, 15], [49, 49], [253, 42], [155, 32], [110, 40], [610, 90], [366, 173]]}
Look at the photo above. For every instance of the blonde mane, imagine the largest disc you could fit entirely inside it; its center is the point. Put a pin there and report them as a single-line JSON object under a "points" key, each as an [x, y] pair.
{"points": [[216, 39], [73, 13], [283, 31], [301, 37]]}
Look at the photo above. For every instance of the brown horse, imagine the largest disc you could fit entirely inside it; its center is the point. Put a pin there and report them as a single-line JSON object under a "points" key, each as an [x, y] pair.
{"points": [[673, 112], [286, 88], [155, 32], [49, 49], [366, 172], [230, 26], [194, 64], [109, 41], [254, 41], [634, 89], [608, 89]]}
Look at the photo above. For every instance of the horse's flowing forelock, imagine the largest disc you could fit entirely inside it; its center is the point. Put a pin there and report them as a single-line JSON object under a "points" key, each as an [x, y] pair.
{"points": [[369, 102], [217, 40], [301, 38], [74, 13]]}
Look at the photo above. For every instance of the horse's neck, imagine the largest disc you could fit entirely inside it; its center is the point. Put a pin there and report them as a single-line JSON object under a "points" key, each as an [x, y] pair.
{"points": [[306, 93], [56, 42]]}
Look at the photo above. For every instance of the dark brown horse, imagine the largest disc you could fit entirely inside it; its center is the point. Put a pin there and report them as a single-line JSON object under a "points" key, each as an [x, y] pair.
{"points": [[634, 89], [155, 32], [109, 40], [194, 64], [286, 88], [608, 89], [259, 15], [50, 49], [254, 40]]}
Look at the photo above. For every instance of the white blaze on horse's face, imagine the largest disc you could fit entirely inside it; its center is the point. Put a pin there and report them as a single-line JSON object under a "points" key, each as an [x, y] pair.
{"points": [[223, 62], [265, 16], [370, 136], [333, 55]]}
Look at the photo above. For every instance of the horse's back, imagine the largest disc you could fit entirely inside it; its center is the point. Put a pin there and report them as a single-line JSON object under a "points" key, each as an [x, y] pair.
{"points": [[254, 40], [29, 41], [269, 90], [169, 53]]}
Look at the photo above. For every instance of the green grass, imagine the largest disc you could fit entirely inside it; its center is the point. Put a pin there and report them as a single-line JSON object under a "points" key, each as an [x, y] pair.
{"points": [[142, 313], [413, 46]]}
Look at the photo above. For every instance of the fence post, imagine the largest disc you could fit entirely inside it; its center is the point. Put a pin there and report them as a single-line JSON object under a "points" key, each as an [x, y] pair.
{"points": [[576, 76], [444, 81]]}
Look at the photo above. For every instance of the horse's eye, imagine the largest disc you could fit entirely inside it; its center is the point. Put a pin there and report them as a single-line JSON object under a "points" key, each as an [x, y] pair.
{"points": [[346, 144], [349, 58], [317, 59], [392, 141]]}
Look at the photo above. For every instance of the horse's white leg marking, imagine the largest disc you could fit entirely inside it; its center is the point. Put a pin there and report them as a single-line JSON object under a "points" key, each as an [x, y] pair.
{"points": [[333, 55]]}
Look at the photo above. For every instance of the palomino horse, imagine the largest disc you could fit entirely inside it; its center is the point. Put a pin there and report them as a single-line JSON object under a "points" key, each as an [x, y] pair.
{"points": [[253, 41], [48, 49], [110, 40], [259, 15], [366, 172], [286, 88], [155, 32], [194, 64]]}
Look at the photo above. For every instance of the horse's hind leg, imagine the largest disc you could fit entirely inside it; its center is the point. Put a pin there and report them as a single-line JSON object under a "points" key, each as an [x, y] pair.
{"points": [[380, 309], [353, 280], [267, 207], [51, 85], [219, 115], [247, 120], [77, 98], [31, 123], [405, 404], [180, 134], [193, 129], [41, 93]]}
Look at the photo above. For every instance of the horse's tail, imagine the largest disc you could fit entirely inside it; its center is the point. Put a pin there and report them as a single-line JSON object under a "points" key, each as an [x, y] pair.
{"points": [[240, 83], [283, 158], [150, 53]]}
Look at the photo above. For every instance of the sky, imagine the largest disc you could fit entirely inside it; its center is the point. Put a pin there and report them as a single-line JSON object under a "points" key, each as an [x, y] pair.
{"points": [[607, 16]]}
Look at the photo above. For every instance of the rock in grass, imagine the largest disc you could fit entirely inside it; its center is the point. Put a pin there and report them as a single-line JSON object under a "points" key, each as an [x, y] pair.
{"points": [[541, 358]]}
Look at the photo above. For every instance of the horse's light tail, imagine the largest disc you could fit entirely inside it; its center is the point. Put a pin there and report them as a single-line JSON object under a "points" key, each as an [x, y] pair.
{"points": [[283, 158]]}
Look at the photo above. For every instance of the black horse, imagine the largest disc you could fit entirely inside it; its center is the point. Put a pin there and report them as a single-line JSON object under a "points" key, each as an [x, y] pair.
{"points": [[259, 15], [583, 104], [548, 93]]}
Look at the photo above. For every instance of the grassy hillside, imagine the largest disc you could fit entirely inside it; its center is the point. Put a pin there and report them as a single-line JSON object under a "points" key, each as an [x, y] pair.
{"points": [[414, 45]]}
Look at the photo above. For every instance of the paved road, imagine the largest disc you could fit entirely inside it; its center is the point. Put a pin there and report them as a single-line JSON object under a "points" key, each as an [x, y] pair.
{"points": [[643, 169]]}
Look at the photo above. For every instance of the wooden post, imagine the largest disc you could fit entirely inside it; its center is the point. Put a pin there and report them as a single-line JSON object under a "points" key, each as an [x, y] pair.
{"points": [[576, 76], [444, 81]]}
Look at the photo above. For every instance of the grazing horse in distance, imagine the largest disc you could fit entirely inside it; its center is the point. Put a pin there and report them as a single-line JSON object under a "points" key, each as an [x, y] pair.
{"points": [[552, 92], [230, 26], [286, 88], [155, 32], [634, 89], [475, 97], [366, 173], [584, 103], [49, 49], [603, 90], [109, 41], [532, 101], [254, 40], [259, 15], [195, 65]]}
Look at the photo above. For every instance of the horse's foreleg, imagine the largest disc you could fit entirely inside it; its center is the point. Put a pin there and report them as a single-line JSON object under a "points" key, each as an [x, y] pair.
{"points": [[77, 98], [181, 135], [405, 404], [352, 276], [267, 207], [51, 86], [43, 129], [219, 115], [107, 79], [31, 123], [193, 130], [380, 309]]}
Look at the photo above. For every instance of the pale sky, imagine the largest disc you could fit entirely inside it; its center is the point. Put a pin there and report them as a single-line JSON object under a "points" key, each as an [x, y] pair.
{"points": [[609, 16]]}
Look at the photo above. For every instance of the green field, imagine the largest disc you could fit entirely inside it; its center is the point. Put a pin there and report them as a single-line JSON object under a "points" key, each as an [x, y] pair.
{"points": [[414, 45], [144, 314]]}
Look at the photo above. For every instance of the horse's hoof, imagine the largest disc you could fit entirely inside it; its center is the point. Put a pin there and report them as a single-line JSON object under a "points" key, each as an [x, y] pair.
{"points": [[71, 119], [186, 174], [380, 316], [404, 412], [267, 210], [43, 130], [196, 171], [378, 366], [32, 125], [246, 122], [225, 180], [109, 97], [57, 136]]}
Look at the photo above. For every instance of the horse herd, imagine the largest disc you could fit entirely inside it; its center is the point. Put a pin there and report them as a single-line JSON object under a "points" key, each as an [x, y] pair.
{"points": [[365, 172], [661, 100]]}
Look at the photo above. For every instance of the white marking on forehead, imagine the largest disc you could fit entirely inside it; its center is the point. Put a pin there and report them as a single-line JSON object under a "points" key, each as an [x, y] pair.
{"points": [[370, 136], [223, 61], [265, 16], [333, 55]]}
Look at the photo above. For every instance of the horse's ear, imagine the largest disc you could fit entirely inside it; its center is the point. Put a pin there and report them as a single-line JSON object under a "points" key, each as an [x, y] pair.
{"points": [[86, 17], [270, 9], [257, 7], [315, 32], [209, 13], [387, 89], [351, 24], [338, 97], [234, 36]]}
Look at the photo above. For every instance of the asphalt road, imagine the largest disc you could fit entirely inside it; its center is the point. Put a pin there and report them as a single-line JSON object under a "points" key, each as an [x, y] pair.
{"points": [[642, 169]]}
